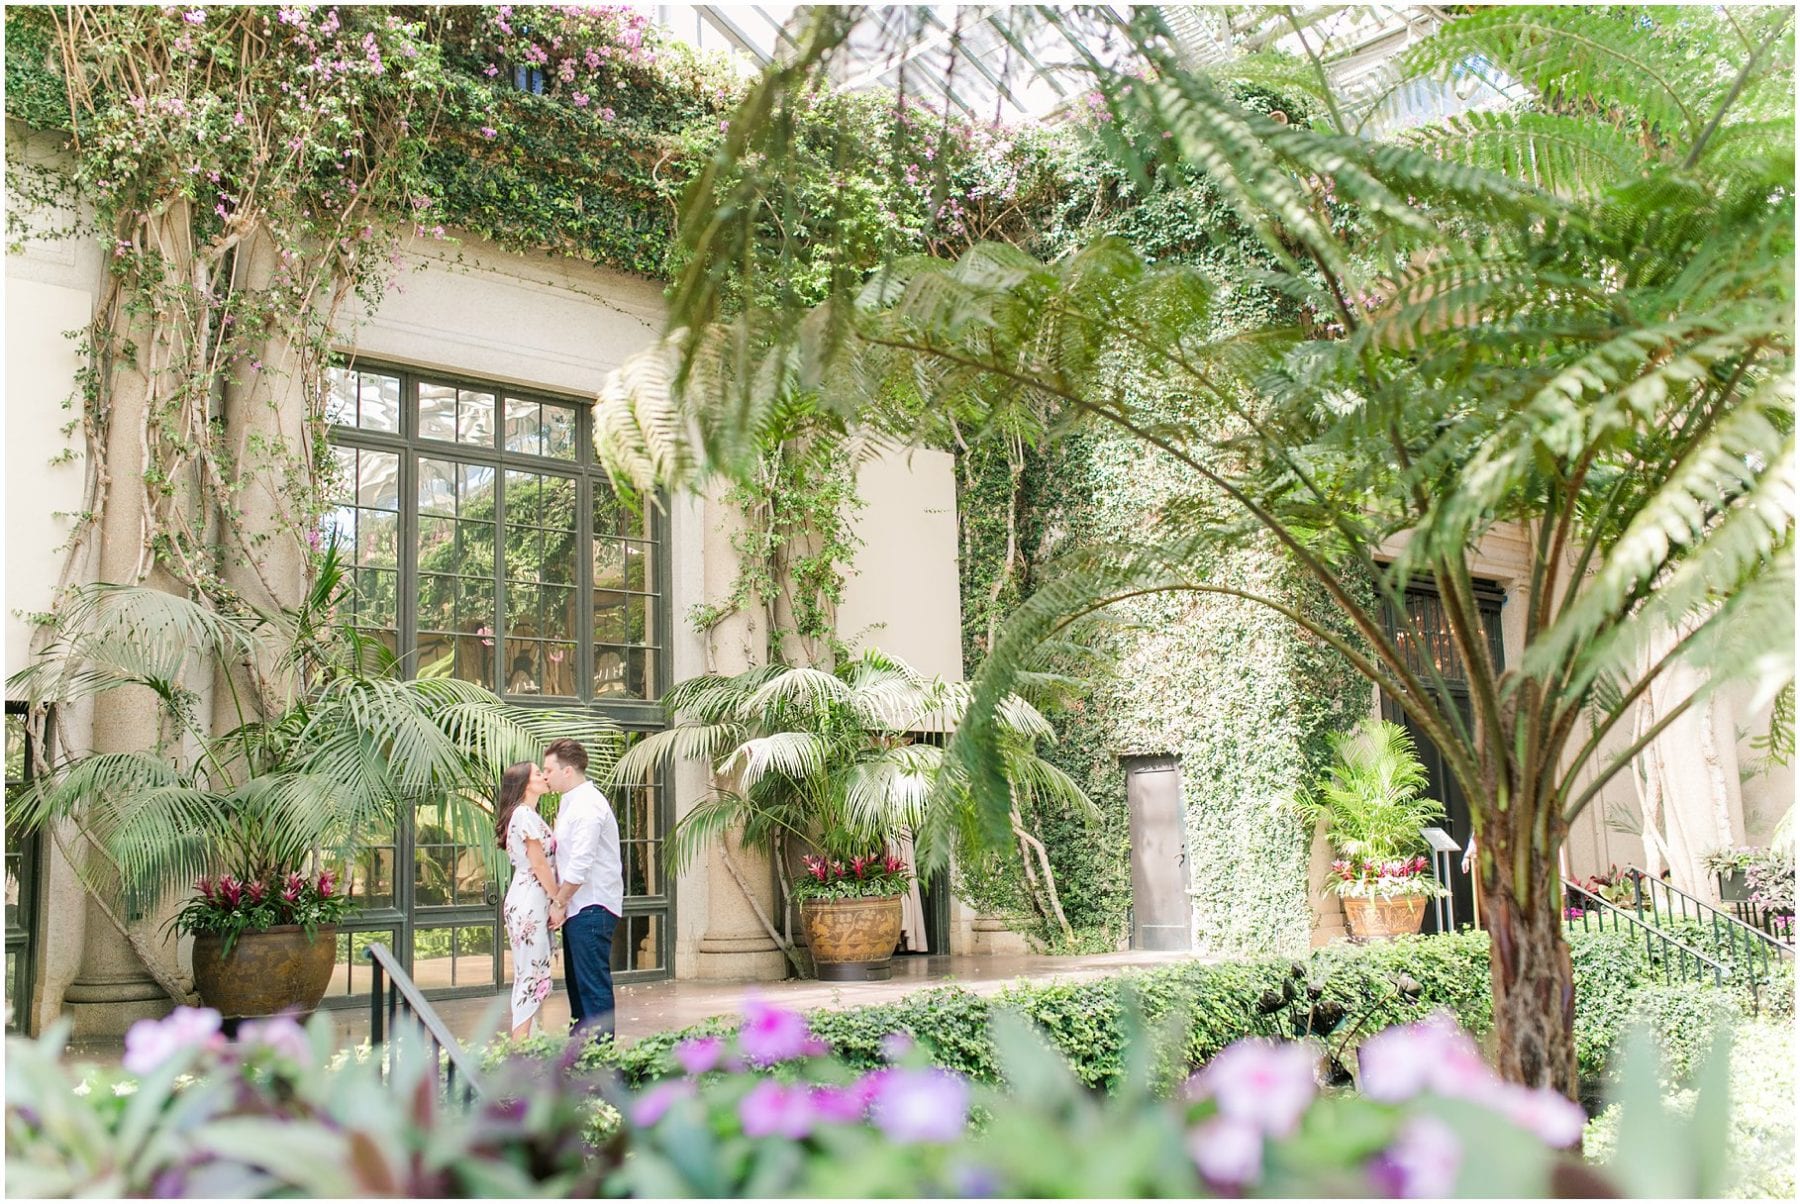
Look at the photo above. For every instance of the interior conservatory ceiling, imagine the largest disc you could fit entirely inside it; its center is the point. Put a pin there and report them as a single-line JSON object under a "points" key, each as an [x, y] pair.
{"points": [[1024, 62]]}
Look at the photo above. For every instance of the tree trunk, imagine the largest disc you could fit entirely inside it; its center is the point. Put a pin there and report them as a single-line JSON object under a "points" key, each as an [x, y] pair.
{"points": [[1533, 977]]}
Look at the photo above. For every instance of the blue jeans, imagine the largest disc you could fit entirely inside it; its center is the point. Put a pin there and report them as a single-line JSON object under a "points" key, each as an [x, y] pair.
{"points": [[587, 968]]}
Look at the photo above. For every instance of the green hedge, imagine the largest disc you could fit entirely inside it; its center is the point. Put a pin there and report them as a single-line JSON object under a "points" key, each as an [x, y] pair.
{"points": [[1213, 1004]]}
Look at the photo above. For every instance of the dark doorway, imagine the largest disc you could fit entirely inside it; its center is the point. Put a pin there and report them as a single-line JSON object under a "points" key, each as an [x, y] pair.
{"points": [[1434, 646]]}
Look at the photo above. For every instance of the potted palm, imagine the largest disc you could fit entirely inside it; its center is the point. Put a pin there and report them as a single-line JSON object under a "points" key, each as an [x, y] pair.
{"points": [[827, 765], [329, 746], [1372, 800]]}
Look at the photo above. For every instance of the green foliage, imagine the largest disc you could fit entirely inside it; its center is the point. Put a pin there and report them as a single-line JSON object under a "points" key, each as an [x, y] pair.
{"points": [[1210, 1004], [342, 754], [1372, 797]]}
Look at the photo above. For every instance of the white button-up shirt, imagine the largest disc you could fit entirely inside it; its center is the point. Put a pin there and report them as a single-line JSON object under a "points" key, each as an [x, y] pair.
{"points": [[587, 850]]}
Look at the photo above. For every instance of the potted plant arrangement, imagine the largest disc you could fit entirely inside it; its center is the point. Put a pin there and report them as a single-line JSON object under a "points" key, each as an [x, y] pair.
{"points": [[263, 946], [850, 912], [329, 746], [824, 765], [1372, 800], [1731, 868]]}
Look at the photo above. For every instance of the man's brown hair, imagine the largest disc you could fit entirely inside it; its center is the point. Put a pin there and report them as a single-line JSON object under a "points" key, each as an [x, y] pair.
{"points": [[569, 752]]}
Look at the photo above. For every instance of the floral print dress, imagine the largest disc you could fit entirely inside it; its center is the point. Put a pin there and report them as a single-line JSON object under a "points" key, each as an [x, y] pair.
{"points": [[528, 915]]}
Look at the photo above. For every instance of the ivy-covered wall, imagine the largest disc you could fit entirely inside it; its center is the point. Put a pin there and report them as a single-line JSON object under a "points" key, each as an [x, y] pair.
{"points": [[1240, 694]]}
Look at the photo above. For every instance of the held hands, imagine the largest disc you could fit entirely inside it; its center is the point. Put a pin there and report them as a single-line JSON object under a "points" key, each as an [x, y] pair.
{"points": [[558, 913]]}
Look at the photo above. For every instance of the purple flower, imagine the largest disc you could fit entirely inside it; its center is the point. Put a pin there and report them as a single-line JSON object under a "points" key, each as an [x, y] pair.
{"points": [[773, 1109], [150, 1043], [281, 1034], [194, 16], [697, 1055], [1263, 1083], [921, 1105], [1228, 1151], [652, 1104], [488, 131], [772, 1034], [1421, 1163], [895, 1046]]}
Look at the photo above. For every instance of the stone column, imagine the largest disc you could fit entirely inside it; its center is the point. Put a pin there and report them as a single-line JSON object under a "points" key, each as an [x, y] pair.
{"points": [[735, 944]]}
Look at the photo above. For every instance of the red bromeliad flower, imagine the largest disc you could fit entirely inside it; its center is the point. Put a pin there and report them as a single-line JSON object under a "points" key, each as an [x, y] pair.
{"points": [[295, 884], [205, 887], [893, 864], [230, 890], [258, 890], [815, 866], [326, 884], [859, 864]]}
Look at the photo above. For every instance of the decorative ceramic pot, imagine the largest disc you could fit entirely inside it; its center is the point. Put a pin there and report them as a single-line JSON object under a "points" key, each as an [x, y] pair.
{"points": [[1384, 917], [266, 972], [852, 940]]}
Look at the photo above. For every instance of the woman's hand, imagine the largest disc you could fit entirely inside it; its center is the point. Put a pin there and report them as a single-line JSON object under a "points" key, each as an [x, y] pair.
{"points": [[558, 913]]}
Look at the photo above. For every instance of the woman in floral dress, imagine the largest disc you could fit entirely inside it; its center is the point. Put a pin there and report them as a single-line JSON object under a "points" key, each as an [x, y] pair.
{"points": [[530, 846]]}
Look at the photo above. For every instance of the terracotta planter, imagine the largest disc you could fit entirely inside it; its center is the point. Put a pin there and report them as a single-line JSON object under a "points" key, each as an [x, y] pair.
{"points": [[852, 940], [267, 972], [1370, 918]]}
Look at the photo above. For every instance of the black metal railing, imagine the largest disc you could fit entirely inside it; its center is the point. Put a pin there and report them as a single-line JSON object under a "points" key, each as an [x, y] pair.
{"points": [[1673, 959], [1778, 924], [1732, 940], [396, 1005]]}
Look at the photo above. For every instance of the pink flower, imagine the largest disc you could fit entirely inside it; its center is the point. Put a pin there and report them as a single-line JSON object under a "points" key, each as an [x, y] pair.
{"points": [[1553, 1117], [294, 885], [580, 99], [281, 1034], [1422, 1162], [258, 891], [491, 71], [326, 884], [895, 1046], [150, 1043], [1228, 1151], [540, 992], [921, 1105], [651, 1106], [1432, 1055], [771, 1034], [487, 131], [773, 1109], [839, 1105], [194, 16], [1263, 1083], [697, 1055], [205, 887], [230, 889], [607, 114]]}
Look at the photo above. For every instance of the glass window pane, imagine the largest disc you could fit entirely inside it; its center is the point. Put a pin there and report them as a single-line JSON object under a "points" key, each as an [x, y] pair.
{"points": [[609, 564], [433, 962], [475, 955], [380, 401], [524, 672], [437, 486], [523, 491], [351, 973], [340, 397], [377, 539], [475, 606], [477, 491], [15, 747], [437, 602], [337, 528], [556, 504], [558, 613], [559, 670], [377, 597], [437, 656], [475, 549], [437, 412], [638, 567], [621, 619], [607, 511], [378, 480], [524, 427], [475, 418], [559, 432], [437, 544]]}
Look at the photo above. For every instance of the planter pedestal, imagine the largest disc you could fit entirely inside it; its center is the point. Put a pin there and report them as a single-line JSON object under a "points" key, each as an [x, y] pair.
{"points": [[1376, 918], [266, 972], [852, 940]]}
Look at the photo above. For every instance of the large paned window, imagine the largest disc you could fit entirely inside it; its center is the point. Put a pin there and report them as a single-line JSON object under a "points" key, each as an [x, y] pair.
{"points": [[486, 546], [21, 883]]}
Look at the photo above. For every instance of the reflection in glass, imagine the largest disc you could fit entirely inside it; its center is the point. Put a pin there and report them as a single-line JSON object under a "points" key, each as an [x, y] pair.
{"points": [[437, 412], [559, 432], [340, 397], [524, 427], [475, 418], [378, 480], [379, 398]]}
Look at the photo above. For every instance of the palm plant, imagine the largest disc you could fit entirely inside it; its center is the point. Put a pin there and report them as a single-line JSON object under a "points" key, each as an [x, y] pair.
{"points": [[831, 760], [329, 750], [1570, 320], [1373, 794]]}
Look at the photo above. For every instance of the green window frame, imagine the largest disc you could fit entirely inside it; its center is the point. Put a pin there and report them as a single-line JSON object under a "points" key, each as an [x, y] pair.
{"points": [[486, 544], [23, 877]]}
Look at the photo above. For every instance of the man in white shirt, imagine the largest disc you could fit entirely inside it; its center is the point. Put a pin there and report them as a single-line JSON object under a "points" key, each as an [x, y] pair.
{"points": [[590, 894]]}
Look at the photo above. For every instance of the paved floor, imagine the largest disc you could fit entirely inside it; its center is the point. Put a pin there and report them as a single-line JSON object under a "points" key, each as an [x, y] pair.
{"points": [[655, 1007]]}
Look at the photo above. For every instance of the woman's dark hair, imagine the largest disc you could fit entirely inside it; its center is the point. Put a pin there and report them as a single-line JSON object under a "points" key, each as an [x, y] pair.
{"points": [[512, 793]]}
